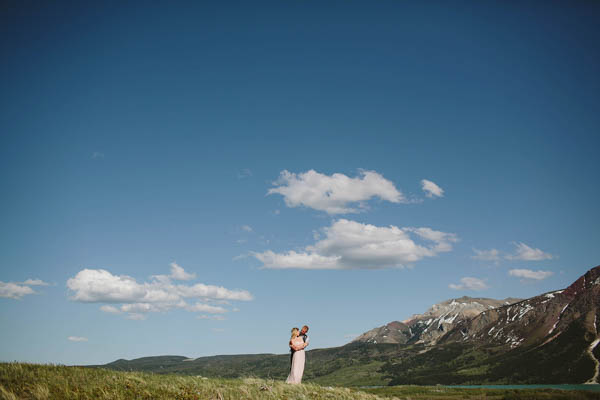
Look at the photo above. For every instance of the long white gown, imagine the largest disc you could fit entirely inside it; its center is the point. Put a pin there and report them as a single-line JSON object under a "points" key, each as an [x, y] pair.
{"points": [[298, 359]]}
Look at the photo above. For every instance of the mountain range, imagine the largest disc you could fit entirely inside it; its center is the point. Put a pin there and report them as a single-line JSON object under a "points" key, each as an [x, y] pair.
{"points": [[434, 323], [549, 338]]}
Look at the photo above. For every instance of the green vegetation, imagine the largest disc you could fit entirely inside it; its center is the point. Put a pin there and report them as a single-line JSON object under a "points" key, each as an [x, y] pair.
{"points": [[355, 364], [356, 375], [41, 382], [35, 381], [563, 360]]}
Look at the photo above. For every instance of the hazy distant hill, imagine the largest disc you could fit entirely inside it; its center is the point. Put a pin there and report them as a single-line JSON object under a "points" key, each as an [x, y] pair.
{"points": [[550, 338]]}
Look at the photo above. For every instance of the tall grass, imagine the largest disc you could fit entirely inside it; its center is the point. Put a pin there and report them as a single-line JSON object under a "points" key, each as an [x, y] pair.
{"points": [[51, 381]]}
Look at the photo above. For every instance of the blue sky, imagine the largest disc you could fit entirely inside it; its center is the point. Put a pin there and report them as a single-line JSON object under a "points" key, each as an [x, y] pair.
{"points": [[139, 144]]}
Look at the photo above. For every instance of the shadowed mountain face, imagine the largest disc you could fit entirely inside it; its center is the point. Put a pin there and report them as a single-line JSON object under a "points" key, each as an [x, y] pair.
{"points": [[537, 320], [434, 323], [550, 338]]}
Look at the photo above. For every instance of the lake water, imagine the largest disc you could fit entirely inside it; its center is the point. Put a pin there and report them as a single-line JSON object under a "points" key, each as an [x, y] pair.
{"points": [[562, 387], [595, 388]]}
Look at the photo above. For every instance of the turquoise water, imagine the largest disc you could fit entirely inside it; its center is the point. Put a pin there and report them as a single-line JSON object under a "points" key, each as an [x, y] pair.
{"points": [[595, 388], [563, 387]]}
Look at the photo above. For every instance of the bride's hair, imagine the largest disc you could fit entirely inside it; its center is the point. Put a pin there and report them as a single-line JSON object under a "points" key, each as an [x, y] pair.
{"points": [[295, 332]]}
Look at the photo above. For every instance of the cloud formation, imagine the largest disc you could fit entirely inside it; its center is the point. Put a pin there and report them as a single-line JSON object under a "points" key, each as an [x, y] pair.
{"points": [[469, 283], [213, 317], [352, 245], [16, 290], [335, 193], [35, 282], [526, 253], [110, 309], [487, 255], [77, 339], [530, 274], [431, 189], [179, 273], [160, 294]]}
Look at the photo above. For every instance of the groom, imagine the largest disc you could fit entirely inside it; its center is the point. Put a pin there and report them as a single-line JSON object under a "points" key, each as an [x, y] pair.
{"points": [[304, 337]]}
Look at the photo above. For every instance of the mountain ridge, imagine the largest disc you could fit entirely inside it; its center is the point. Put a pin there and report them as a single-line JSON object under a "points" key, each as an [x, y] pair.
{"points": [[442, 317]]}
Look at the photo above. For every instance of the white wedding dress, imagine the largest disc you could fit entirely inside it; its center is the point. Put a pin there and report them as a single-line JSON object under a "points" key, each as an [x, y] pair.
{"points": [[298, 359]]}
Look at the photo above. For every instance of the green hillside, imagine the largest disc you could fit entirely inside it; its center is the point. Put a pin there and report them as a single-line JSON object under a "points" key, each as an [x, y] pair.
{"points": [[356, 364], [42, 382], [562, 360]]}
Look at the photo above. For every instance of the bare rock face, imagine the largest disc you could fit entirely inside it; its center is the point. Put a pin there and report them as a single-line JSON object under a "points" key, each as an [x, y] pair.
{"points": [[443, 317], [537, 320], [510, 322], [430, 326], [394, 332]]}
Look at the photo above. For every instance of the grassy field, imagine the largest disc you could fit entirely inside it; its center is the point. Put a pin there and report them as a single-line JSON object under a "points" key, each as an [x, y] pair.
{"points": [[48, 381]]}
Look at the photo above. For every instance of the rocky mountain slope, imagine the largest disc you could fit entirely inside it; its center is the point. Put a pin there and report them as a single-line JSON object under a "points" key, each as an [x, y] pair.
{"points": [[434, 323], [550, 338], [537, 320]]}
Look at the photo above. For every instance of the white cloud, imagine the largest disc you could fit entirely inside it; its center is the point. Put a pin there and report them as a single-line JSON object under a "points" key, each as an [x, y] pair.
{"points": [[487, 255], [16, 290], [442, 240], [239, 257], [524, 252], [97, 155], [136, 308], [136, 316], [247, 228], [213, 292], [292, 259], [77, 339], [222, 302], [35, 282], [12, 290], [529, 274], [431, 189], [199, 307], [110, 309], [213, 317], [334, 194], [179, 273], [353, 245], [158, 295], [99, 285], [469, 283]]}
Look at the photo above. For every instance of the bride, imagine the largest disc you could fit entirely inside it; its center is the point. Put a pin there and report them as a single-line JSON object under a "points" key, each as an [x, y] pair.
{"points": [[297, 345]]}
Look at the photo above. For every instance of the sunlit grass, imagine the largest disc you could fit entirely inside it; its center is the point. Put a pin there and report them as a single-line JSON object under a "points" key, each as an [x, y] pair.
{"points": [[50, 381]]}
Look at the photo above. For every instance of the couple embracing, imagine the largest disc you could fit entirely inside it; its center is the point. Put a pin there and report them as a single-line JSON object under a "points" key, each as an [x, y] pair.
{"points": [[297, 344]]}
